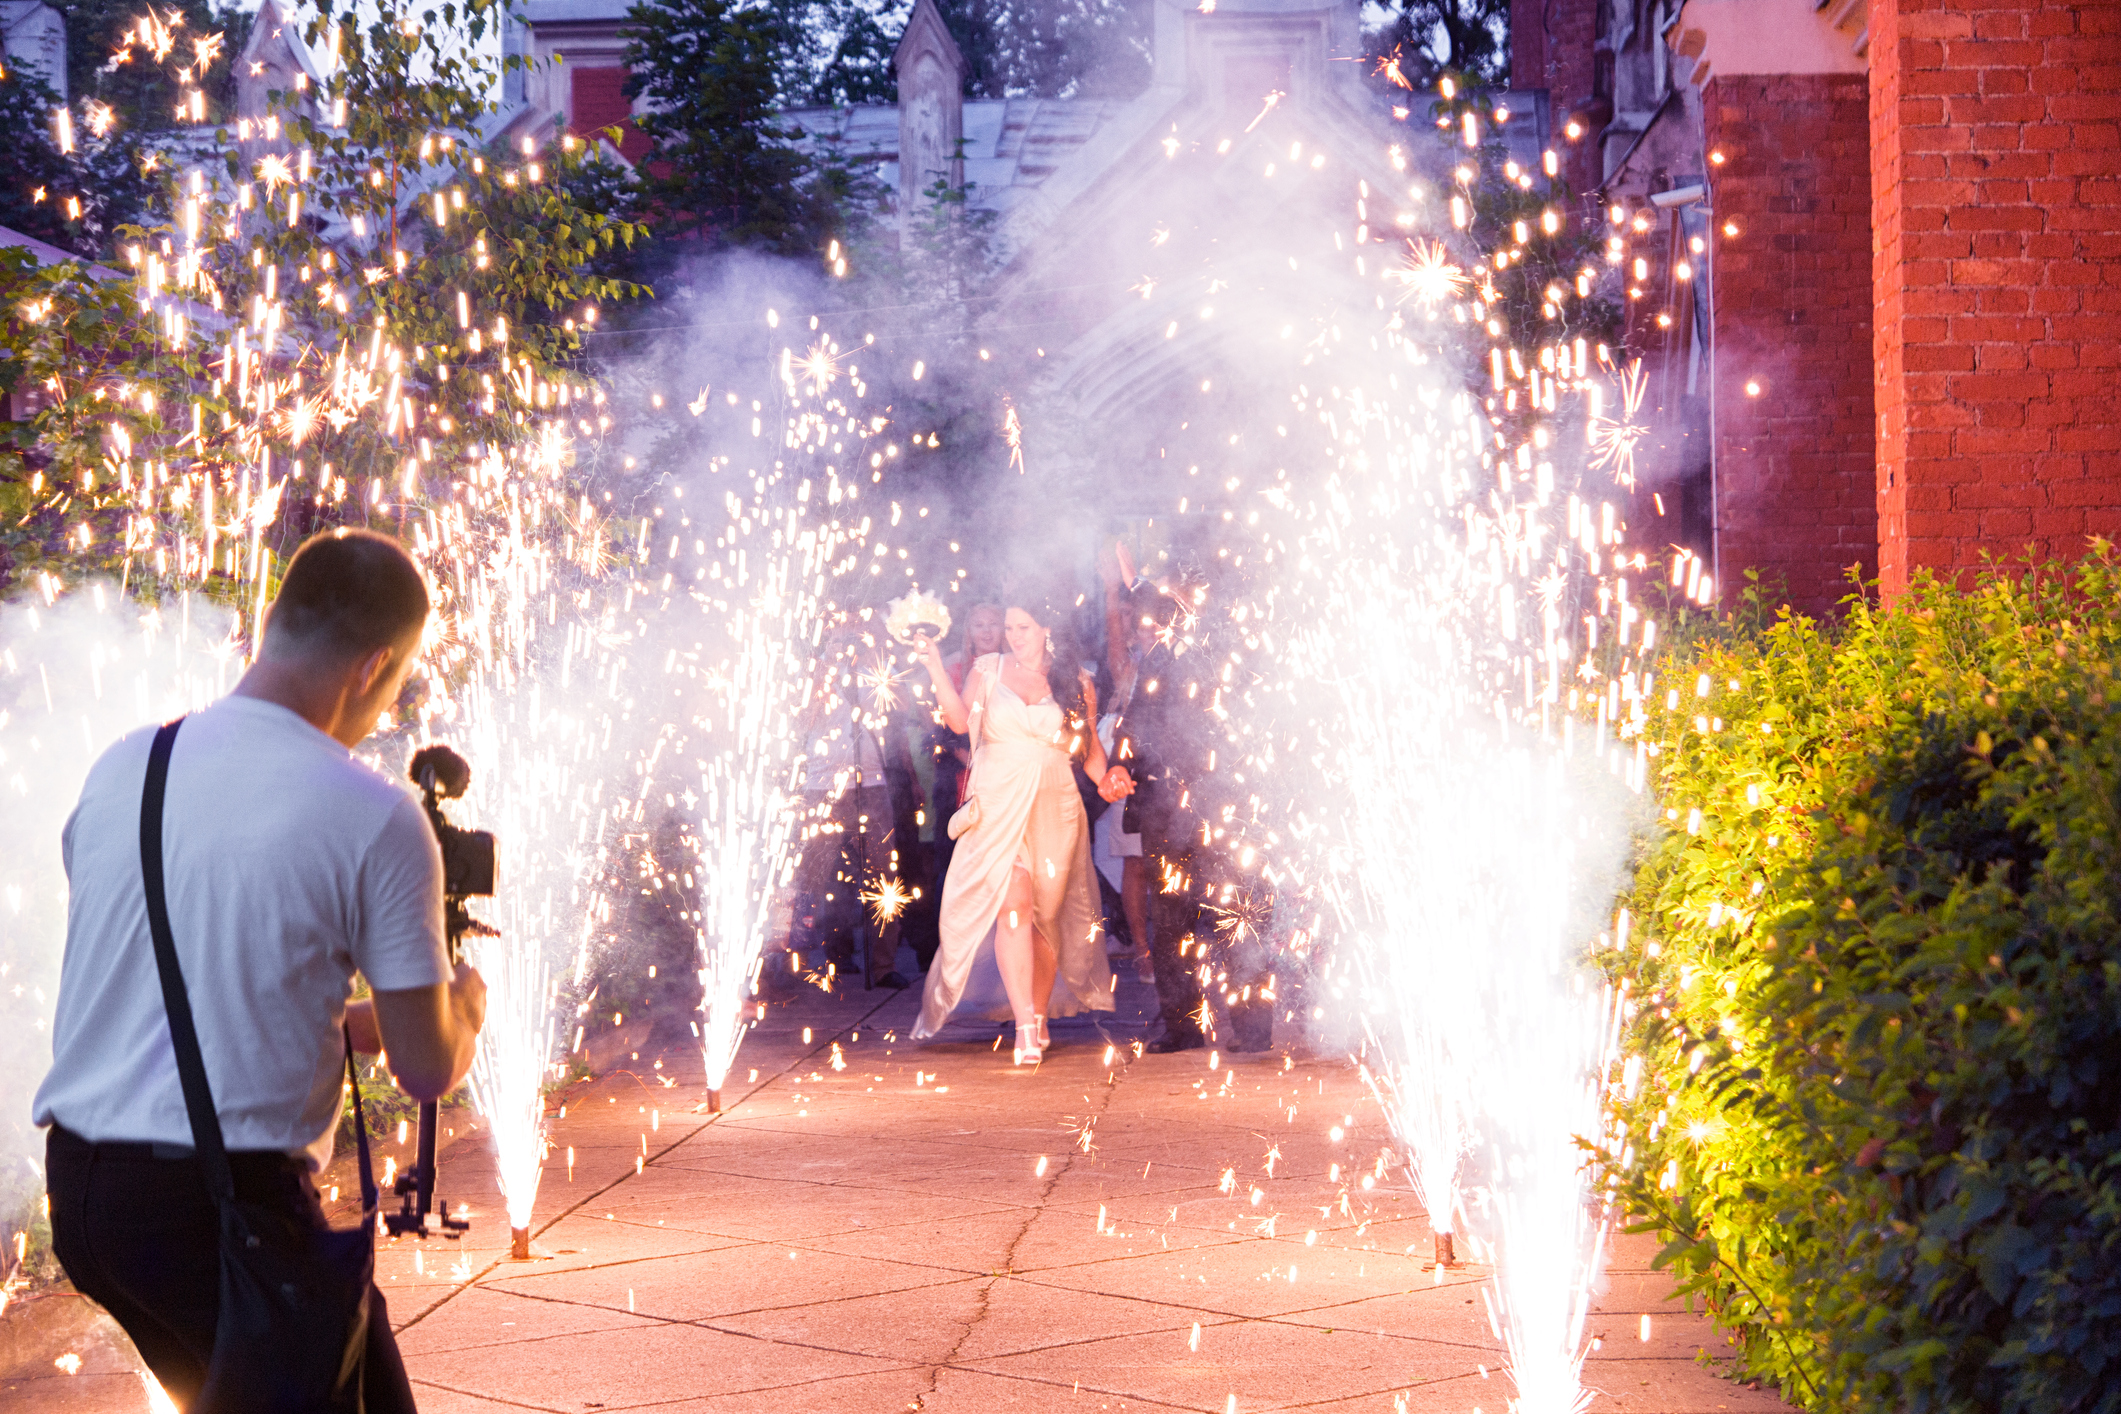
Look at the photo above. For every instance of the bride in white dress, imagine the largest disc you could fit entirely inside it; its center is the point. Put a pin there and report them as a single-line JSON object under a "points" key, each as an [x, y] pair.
{"points": [[1019, 899]]}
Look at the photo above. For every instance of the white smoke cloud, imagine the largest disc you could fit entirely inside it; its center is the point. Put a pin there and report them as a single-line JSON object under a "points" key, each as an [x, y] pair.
{"points": [[75, 675]]}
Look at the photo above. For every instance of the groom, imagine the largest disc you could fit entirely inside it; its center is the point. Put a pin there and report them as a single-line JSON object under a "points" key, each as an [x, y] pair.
{"points": [[1164, 747]]}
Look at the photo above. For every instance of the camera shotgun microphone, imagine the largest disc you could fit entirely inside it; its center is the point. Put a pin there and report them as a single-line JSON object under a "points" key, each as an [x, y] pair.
{"points": [[467, 872]]}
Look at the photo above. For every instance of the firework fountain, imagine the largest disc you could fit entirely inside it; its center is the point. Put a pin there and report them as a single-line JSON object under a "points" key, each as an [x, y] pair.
{"points": [[765, 599], [535, 702], [1430, 585]]}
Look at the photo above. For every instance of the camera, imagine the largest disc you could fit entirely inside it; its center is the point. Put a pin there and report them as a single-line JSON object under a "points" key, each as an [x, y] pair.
{"points": [[467, 855]]}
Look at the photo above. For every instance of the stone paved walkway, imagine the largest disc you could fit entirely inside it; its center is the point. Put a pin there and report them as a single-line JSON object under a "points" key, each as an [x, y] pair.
{"points": [[930, 1229]]}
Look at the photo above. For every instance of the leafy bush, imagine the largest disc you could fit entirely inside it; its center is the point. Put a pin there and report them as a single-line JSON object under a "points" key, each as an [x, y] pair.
{"points": [[1876, 962]]}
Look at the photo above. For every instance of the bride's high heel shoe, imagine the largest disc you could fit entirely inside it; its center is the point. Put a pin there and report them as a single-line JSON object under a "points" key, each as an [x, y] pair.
{"points": [[1045, 1039], [1027, 1046]]}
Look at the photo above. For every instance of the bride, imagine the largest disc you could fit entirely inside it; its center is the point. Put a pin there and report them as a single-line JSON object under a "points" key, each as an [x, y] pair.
{"points": [[1019, 899]]}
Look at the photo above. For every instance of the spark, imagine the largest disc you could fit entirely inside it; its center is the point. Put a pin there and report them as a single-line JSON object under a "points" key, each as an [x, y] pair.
{"points": [[887, 899], [301, 418], [1429, 275], [1013, 434], [1614, 439], [820, 366], [1244, 918], [880, 681]]}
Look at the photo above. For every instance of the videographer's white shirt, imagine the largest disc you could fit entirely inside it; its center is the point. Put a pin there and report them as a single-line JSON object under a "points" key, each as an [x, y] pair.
{"points": [[289, 866]]}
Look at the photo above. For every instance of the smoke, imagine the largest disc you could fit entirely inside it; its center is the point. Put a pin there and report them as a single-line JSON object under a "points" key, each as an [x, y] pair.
{"points": [[76, 674]]}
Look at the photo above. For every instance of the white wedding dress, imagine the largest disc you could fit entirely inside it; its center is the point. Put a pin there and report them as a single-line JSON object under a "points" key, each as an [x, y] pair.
{"points": [[1031, 815]]}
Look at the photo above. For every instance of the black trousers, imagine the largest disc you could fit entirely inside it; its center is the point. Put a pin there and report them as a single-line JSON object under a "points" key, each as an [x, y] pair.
{"points": [[856, 846], [138, 1235], [1185, 945]]}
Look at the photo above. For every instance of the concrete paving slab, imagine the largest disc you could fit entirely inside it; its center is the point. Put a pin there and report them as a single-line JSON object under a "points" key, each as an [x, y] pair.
{"points": [[899, 1389], [1244, 1278], [488, 1314], [1023, 1317], [924, 1229], [925, 1326], [957, 1388], [628, 1367], [603, 1237], [979, 1246], [1263, 1364], [1677, 1385], [724, 1282]]}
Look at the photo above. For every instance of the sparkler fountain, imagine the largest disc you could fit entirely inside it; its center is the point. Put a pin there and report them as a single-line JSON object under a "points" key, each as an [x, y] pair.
{"points": [[541, 729], [749, 809], [1450, 563], [780, 550]]}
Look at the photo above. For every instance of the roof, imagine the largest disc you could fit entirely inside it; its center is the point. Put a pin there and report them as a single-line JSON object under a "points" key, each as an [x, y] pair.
{"points": [[46, 254], [563, 12], [1011, 144]]}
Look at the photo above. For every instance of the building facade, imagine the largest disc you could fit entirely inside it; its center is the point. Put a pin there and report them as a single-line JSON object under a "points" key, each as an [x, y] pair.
{"points": [[1910, 216]]}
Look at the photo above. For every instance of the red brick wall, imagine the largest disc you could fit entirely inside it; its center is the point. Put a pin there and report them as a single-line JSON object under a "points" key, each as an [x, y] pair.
{"points": [[1996, 188], [600, 101], [1552, 44], [1792, 304]]}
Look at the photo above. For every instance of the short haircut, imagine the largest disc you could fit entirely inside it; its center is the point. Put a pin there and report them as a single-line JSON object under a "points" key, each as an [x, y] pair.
{"points": [[347, 593]]}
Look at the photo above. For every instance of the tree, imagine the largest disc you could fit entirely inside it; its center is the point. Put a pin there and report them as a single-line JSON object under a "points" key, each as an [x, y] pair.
{"points": [[75, 191], [143, 61], [1466, 38], [723, 172], [368, 290], [837, 52], [39, 179], [1052, 48]]}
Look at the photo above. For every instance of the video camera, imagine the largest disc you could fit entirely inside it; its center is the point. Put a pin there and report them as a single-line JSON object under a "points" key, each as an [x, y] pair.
{"points": [[467, 872], [467, 855]]}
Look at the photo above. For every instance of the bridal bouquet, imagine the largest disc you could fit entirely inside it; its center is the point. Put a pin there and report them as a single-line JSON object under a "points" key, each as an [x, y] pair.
{"points": [[916, 616]]}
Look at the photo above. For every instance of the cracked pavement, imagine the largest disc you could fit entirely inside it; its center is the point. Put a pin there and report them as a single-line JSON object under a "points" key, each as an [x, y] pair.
{"points": [[930, 1228]]}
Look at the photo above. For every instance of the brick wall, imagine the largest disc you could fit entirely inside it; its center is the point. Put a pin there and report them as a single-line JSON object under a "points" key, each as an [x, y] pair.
{"points": [[1552, 46], [600, 102], [1792, 309], [1996, 191]]}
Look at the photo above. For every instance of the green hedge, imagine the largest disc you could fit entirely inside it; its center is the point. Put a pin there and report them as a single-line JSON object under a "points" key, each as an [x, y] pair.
{"points": [[1878, 983]]}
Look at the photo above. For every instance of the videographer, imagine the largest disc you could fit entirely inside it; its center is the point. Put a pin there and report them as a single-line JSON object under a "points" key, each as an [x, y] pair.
{"points": [[289, 867]]}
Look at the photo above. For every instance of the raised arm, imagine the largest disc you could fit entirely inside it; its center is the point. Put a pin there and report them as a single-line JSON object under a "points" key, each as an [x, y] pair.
{"points": [[1119, 632], [953, 704]]}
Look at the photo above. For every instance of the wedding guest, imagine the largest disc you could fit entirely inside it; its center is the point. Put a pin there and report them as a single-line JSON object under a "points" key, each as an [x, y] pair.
{"points": [[1166, 744], [1132, 626], [853, 763]]}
